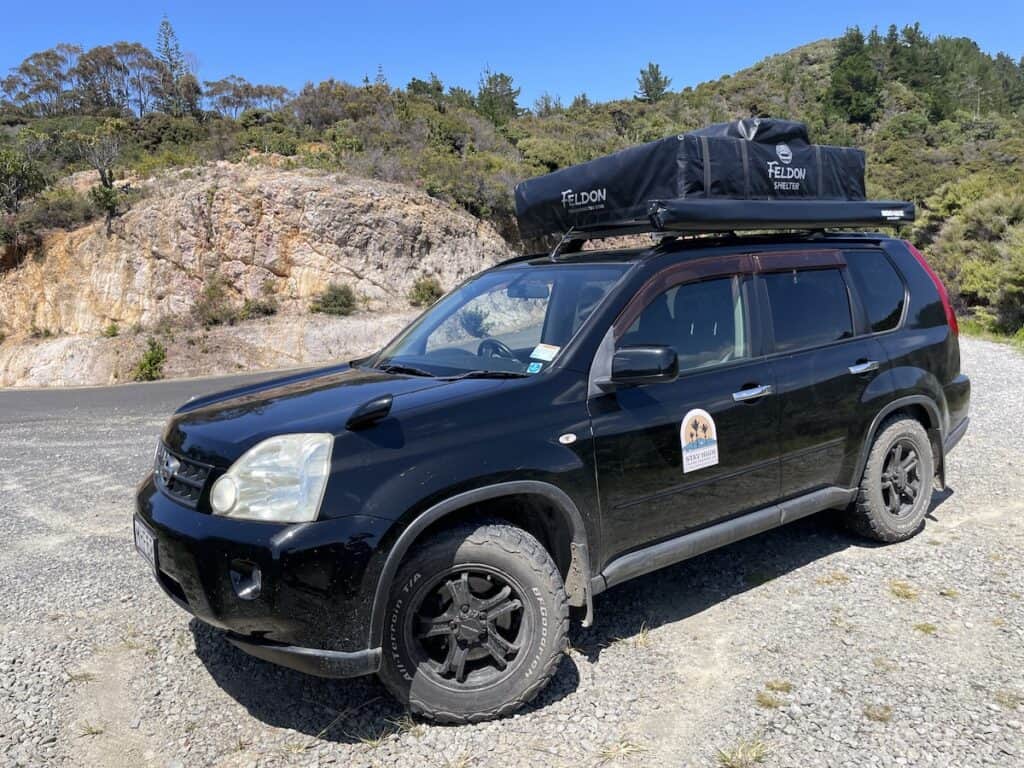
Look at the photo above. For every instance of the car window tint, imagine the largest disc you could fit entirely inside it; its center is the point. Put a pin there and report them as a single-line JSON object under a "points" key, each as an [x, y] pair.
{"points": [[878, 286], [702, 321], [809, 308]]}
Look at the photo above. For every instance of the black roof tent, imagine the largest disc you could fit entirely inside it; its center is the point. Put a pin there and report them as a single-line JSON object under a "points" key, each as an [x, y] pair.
{"points": [[753, 174]]}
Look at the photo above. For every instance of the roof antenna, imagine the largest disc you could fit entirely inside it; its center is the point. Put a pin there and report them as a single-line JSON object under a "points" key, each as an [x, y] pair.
{"points": [[561, 243]]}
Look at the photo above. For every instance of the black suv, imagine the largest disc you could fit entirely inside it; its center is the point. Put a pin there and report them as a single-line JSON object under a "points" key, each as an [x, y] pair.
{"points": [[553, 427]]}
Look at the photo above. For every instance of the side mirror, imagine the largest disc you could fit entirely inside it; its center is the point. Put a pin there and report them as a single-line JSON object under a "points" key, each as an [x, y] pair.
{"points": [[644, 365]]}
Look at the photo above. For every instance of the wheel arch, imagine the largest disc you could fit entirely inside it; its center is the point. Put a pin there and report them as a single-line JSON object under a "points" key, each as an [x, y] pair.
{"points": [[568, 545], [920, 407]]}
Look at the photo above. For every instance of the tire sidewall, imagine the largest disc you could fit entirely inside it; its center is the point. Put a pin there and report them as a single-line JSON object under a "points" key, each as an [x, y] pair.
{"points": [[420, 691]]}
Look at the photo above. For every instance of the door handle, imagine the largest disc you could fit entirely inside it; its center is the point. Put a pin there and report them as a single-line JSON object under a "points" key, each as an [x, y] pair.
{"points": [[866, 367], [753, 393]]}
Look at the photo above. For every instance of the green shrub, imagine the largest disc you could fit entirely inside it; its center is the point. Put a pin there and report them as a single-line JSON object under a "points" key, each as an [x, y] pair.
{"points": [[214, 305], [425, 292], [57, 208], [111, 331], [253, 308], [151, 365], [336, 299], [474, 322]]}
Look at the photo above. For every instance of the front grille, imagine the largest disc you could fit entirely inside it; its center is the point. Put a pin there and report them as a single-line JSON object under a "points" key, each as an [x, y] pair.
{"points": [[182, 479]]}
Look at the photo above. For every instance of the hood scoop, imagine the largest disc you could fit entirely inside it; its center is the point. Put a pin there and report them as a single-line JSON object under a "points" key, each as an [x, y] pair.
{"points": [[370, 412]]}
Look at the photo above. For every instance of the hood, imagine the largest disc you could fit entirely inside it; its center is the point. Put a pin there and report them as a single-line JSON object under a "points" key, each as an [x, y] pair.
{"points": [[221, 427]]}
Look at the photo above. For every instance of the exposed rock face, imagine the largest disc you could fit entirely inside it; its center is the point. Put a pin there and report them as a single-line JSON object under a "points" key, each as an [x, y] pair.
{"points": [[266, 232]]}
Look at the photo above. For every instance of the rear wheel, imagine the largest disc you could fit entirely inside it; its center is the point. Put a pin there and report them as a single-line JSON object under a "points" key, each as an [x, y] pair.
{"points": [[476, 624], [896, 488]]}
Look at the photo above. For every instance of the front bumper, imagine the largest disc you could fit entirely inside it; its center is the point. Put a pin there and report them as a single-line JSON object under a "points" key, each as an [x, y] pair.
{"points": [[311, 610]]}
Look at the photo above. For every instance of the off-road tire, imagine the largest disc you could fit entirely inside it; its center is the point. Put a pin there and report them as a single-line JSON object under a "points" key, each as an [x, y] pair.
{"points": [[507, 550], [869, 516]]}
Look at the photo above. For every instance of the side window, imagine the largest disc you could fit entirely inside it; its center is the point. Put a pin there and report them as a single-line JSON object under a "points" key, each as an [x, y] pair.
{"points": [[809, 308], [704, 322], [878, 286]]}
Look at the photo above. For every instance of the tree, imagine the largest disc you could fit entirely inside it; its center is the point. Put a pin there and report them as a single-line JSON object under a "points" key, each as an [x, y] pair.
{"points": [[172, 70], [43, 84], [19, 178], [142, 75], [855, 87], [652, 84], [496, 99], [547, 105]]}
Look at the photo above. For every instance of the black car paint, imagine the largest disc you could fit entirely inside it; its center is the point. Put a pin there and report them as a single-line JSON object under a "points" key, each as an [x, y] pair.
{"points": [[618, 486]]}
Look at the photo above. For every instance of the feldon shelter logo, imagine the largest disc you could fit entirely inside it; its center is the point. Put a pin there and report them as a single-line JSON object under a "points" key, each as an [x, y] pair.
{"points": [[785, 177]]}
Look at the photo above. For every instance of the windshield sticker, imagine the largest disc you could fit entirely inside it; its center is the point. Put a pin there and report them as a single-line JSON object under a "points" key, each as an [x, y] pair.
{"points": [[700, 440], [534, 367], [545, 352]]}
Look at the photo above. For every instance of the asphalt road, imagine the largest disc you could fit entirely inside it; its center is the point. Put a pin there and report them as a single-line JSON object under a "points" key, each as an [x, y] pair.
{"points": [[805, 645]]}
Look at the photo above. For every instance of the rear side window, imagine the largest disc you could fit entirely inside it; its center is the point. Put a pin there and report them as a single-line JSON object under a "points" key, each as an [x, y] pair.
{"points": [[879, 288], [809, 308]]}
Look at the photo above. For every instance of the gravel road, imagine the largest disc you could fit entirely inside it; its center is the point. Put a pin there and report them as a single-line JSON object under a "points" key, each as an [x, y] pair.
{"points": [[803, 644]]}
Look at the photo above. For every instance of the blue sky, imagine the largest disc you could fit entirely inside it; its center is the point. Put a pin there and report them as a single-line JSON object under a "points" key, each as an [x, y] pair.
{"points": [[560, 47]]}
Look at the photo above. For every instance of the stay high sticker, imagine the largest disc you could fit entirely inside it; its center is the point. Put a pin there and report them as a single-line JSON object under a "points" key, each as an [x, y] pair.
{"points": [[700, 440]]}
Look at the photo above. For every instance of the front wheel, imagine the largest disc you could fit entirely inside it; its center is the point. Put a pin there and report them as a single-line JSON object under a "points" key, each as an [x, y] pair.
{"points": [[476, 624], [896, 489]]}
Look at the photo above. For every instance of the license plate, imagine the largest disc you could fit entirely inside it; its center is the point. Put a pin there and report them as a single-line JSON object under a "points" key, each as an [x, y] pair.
{"points": [[145, 543]]}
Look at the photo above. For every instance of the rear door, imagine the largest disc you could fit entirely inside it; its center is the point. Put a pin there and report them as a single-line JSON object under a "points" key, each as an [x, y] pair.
{"points": [[827, 368], [673, 457]]}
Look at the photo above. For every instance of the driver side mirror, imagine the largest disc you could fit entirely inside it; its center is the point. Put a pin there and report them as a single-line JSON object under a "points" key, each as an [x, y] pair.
{"points": [[645, 365]]}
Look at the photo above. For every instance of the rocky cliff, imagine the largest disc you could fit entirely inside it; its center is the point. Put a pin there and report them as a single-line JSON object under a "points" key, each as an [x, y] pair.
{"points": [[260, 232]]}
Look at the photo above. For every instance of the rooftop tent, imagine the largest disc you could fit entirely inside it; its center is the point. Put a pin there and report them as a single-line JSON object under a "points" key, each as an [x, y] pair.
{"points": [[748, 174]]}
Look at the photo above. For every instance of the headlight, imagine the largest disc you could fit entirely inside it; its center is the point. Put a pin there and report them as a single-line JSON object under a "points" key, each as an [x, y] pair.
{"points": [[280, 480]]}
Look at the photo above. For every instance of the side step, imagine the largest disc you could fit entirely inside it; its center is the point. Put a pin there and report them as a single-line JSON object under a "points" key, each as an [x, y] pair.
{"points": [[698, 542]]}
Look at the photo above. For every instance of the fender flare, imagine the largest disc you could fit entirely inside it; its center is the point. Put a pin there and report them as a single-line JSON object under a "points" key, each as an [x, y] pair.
{"points": [[408, 536], [934, 431]]}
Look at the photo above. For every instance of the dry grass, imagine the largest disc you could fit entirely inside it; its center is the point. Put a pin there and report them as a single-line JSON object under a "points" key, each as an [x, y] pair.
{"points": [[833, 579], [902, 590], [883, 664], [1008, 699], [779, 686], [90, 729], [926, 628], [766, 700], [82, 676], [406, 724], [879, 713], [746, 754], [620, 750], [949, 592], [642, 639]]}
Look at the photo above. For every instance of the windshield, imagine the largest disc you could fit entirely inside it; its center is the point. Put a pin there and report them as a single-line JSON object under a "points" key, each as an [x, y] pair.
{"points": [[512, 322]]}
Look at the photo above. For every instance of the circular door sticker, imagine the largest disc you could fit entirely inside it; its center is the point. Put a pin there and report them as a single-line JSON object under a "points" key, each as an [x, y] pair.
{"points": [[699, 439]]}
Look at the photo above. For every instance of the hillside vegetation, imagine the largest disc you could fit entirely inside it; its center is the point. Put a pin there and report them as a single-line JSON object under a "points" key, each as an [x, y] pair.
{"points": [[938, 117]]}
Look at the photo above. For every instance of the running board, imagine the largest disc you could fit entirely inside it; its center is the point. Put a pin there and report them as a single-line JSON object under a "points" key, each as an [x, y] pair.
{"points": [[689, 545]]}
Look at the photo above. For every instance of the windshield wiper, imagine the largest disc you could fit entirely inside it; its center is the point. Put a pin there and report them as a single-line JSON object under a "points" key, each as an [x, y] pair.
{"points": [[489, 375], [406, 369]]}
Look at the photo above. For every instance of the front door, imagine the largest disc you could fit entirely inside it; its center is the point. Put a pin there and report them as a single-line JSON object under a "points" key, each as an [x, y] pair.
{"points": [[673, 457]]}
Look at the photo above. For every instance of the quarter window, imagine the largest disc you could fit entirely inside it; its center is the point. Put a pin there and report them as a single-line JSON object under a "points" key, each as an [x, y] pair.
{"points": [[879, 288], [809, 308], [703, 322]]}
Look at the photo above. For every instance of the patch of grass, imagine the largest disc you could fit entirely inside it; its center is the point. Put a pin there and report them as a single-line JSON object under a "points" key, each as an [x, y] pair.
{"points": [[213, 307], [879, 713], [82, 676], [242, 744], [425, 292], [151, 365], [620, 750], [406, 724], [934, 542], [90, 729], [111, 331], [298, 747], [949, 592], [883, 664], [766, 700], [833, 579], [779, 686], [903, 590], [253, 308], [926, 628], [1008, 699], [971, 327], [642, 639], [336, 299], [999, 621], [375, 741], [746, 754]]}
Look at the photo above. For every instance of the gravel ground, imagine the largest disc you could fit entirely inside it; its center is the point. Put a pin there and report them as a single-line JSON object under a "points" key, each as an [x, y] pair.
{"points": [[803, 643]]}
